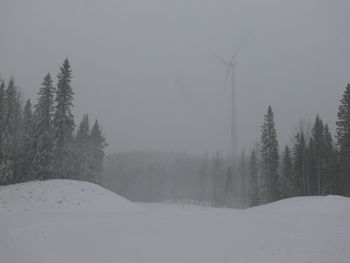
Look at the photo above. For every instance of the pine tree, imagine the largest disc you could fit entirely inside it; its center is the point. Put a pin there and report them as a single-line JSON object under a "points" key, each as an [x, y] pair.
{"points": [[253, 179], [10, 165], [228, 188], [64, 124], [242, 181], [44, 109], [2, 118], [330, 169], [84, 151], [43, 131], [287, 174], [300, 166], [98, 143], [343, 140], [27, 153], [316, 157], [270, 157]]}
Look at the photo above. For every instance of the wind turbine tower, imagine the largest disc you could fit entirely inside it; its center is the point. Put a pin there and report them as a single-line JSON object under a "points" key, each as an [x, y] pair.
{"points": [[230, 74]]}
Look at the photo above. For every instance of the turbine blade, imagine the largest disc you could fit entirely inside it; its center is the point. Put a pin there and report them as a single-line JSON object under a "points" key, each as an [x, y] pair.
{"points": [[220, 58], [239, 47]]}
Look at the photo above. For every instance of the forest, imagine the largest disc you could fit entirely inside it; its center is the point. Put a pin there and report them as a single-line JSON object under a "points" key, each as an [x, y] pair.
{"points": [[315, 163], [41, 142]]}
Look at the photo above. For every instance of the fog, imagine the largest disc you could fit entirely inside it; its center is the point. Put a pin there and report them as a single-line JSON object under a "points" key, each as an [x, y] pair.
{"points": [[145, 68]]}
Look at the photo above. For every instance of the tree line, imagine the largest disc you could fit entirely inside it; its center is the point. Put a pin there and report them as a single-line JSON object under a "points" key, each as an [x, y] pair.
{"points": [[315, 163], [41, 142]]}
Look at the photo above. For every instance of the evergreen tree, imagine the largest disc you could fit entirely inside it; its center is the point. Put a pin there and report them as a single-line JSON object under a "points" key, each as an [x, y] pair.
{"points": [[64, 124], [43, 131], [98, 143], [253, 179], [27, 153], [7, 166], [270, 157], [40, 144], [12, 140], [228, 188], [84, 151], [343, 140], [2, 118], [317, 149], [242, 181], [44, 109], [300, 166], [330, 169], [287, 174]]}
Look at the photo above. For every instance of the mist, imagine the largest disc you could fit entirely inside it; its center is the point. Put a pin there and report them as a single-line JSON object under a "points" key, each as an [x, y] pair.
{"points": [[175, 131], [145, 68]]}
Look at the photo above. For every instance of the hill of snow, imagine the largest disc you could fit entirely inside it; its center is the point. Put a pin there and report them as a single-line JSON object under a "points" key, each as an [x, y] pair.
{"points": [[69, 221], [61, 195], [331, 204]]}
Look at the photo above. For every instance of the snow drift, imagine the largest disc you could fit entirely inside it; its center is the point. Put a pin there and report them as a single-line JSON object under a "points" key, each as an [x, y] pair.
{"points": [[331, 204], [68, 221], [61, 195]]}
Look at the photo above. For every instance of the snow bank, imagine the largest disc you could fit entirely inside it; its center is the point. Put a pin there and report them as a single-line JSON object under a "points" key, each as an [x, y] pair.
{"points": [[69, 221], [61, 195], [331, 204]]}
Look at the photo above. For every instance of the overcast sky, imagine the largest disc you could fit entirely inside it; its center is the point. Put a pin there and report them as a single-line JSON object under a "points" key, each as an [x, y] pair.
{"points": [[145, 70]]}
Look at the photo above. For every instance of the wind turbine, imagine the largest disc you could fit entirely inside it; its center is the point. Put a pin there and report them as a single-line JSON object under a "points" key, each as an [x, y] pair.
{"points": [[230, 72]]}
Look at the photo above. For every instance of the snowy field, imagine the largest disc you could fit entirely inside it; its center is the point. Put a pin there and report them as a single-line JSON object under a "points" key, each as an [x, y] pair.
{"points": [[61, 221]]}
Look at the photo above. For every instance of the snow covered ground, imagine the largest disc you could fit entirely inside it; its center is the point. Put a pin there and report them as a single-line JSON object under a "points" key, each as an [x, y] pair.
{"points": [[68, 221]]}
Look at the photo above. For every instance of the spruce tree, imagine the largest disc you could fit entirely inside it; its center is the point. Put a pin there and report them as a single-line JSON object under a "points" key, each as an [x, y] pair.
{"points": [[300, 166], [64, 124], [2, 118], [98, 143], [330, 169], [43, 131], [12, 138], [84, 153], [7, 165], [242, 181], [253, 179], [270, 157], [316, 157], [343, 141], [287, 189], [27, 154], [228, 188]]}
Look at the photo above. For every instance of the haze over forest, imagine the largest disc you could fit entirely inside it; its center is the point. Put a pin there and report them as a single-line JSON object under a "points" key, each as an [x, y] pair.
{"points": [[175, 131], [145, 68]]}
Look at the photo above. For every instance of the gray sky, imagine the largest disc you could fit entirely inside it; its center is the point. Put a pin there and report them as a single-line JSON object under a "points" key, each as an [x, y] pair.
{"points": [[145, 69]]}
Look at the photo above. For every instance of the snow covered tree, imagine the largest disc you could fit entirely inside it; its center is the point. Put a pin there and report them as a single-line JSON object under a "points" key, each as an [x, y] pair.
{"points": [[343, 140], [63, 123], [43, 131], [270, 157]]}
